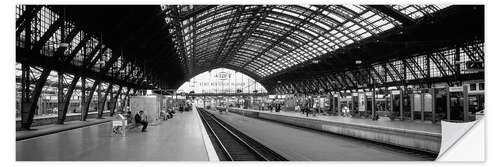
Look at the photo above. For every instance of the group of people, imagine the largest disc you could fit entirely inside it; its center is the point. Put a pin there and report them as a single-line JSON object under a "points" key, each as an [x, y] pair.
{"points": [[139, 118], [308, 106], [271, 106], [167, 114]]}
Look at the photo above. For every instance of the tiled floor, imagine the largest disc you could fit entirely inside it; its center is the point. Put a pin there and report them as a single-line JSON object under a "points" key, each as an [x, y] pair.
{"points": [[178, 139]]}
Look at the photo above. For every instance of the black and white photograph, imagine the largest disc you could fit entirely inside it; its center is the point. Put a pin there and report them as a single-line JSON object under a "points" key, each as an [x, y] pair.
{"points": [[183, 82]]}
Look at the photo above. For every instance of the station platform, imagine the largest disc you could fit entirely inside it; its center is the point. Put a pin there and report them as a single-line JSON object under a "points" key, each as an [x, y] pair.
{"points": [[301, 144], [382, 122], [409, 134], [54, 128], [178, 139]]}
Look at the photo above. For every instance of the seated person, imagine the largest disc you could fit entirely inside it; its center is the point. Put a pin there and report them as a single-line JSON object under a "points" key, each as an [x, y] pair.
{"points": [[129, 117], [163, 115], [171, 113], [141, 118]]}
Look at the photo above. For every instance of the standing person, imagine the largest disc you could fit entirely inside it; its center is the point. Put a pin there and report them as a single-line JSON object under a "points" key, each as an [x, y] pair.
{"points": [[227, 109], [345, 110], [311, 105], [263, 106], [302, 105], [316, 107], [297, 107], [141, 118]]}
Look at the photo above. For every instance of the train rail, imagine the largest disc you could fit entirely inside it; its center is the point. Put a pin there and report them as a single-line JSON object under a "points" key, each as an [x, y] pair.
{"points": [[233, 145]]}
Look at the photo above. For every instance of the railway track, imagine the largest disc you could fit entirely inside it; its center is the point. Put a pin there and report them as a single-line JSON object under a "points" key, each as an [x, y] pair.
{"points": [[233, 145]]}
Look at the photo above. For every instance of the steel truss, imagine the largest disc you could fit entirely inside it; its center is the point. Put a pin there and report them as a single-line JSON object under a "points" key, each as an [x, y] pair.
{"points": [[48, 41], [449, 63]]}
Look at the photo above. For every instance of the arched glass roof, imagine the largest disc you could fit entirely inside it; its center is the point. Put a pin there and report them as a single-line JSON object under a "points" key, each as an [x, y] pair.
{"points": [[265, 39], [221, 80]]}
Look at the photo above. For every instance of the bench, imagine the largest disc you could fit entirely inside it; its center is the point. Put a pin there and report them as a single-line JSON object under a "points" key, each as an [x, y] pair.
{"points": [[117, 126]]}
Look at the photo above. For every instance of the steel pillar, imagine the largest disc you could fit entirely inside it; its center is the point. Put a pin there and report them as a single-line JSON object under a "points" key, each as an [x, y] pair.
{"points": [[82, 104], [100, 109], [88, 100], [114, 100]]}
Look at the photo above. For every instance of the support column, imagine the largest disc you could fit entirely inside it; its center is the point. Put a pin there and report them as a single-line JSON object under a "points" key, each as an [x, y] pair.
{"points": [[422, 105], [30, 106], [88, 100], [124, 99], [67, 99], [25, 78], [466, 103], [433, 95], [100, 109], [25, 96], [114, 100], [373, 102], [99, 98], [60, 97], [82, 104], [448, 98], [401, 97]]}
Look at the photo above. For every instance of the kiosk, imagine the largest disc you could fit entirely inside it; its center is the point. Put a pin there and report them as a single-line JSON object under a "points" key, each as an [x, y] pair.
{"points": [[397, 104], [457, 106], [422, 105], [362, 104]]}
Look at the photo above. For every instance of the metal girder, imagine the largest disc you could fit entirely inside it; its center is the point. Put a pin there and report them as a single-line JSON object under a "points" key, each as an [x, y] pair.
{"points": [[325, 84], [69, 37], [67, 98], [77, 48], [28, 112], [337, 84], [382, 79], [309, 85], [406, 20], [407, 66], [89, 98], [479, 51], [60, 97], [46, 36], [83, 99], [229, 32], [340, 80], [419, 68], [396, 71], [348, 79], [72, 86], [359, 76], [438, 65], [196, 10], [87, 58], [284, 36], [249, 29], [179, 38], [470, 53], [51, 62], [386, 71], [24, 20]]}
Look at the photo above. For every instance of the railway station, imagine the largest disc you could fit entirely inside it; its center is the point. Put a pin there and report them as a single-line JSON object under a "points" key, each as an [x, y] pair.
{"points": [[340, 82]]}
